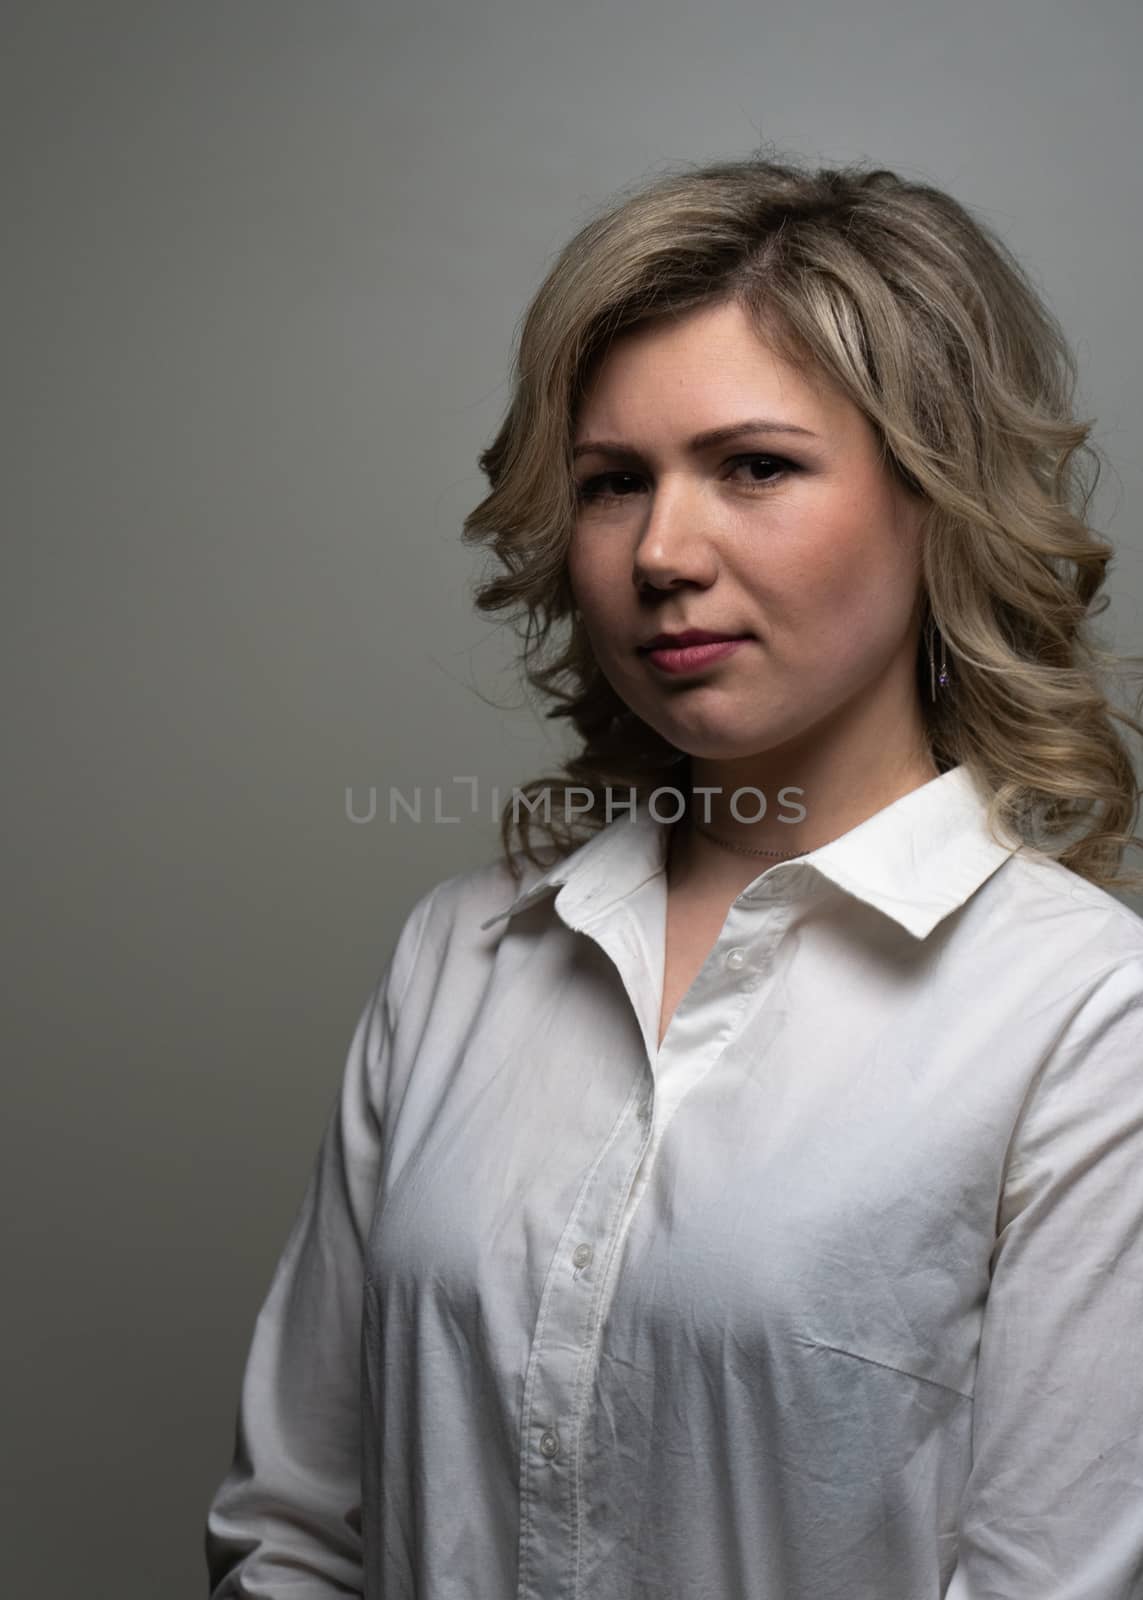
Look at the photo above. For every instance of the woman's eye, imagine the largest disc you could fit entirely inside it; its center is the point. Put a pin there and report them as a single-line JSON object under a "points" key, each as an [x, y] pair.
{"points": [[594, 490]]}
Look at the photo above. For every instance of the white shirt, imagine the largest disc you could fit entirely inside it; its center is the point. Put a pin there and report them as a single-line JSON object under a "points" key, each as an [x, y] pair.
{"points": [[836, 1295]]}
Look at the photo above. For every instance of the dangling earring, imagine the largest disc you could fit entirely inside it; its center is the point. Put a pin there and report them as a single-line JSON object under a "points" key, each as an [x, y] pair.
{"points": [[944, 674]]}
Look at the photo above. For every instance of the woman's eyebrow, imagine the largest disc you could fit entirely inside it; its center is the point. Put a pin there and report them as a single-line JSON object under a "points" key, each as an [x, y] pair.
{"points": [[701, 441]]}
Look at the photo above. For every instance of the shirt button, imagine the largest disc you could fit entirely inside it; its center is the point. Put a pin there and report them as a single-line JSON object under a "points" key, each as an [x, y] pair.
{"points": [[581, 1255], [736, 958], [549, 1443]]}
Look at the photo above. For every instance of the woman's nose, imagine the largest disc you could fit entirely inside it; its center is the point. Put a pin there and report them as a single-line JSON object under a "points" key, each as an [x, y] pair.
{"points": [[675, 544]]}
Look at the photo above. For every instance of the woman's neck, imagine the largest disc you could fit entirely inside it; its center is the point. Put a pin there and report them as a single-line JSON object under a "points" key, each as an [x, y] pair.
{"points": [[696, 861]]}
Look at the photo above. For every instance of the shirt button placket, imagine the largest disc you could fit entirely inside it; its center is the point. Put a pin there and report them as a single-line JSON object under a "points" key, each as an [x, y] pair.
{"points": [[567, 1327]]}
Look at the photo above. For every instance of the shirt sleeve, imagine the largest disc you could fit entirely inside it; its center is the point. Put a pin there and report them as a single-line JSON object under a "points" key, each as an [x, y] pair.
{"points": [[286, 1519], [1053, 1506]]}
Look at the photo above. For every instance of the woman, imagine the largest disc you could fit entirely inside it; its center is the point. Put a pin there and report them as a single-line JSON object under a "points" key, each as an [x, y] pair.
{"points": [[739, 1194]]}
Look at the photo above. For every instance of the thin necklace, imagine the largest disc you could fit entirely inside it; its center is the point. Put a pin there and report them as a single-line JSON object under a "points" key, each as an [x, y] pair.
{"points": [[748, 850]]}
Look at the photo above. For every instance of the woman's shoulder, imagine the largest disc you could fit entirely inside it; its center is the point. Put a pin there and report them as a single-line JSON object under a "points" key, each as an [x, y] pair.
{"points": [[1064, 910], [460, 904]]}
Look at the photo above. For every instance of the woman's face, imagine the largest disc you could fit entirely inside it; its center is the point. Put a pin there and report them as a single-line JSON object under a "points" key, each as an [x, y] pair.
{"points": [[799, 541]]}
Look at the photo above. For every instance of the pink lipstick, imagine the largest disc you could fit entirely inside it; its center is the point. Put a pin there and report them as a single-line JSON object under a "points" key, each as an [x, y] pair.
{"points": [[692, 657]]}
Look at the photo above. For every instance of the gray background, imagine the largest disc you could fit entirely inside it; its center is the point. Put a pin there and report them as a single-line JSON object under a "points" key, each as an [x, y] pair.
{"points": [[264, 263]]}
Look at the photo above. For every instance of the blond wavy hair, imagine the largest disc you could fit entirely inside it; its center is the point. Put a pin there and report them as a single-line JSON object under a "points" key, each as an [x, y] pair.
{"points": [[914, 309]]}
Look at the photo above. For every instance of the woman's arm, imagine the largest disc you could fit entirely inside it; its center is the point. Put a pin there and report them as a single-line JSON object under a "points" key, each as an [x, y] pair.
{"points": [[286, 1519], [1053, 1507]]}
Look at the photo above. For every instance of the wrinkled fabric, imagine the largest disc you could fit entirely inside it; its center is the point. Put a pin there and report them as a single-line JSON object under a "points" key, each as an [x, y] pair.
{"points": [[836, 1295]]}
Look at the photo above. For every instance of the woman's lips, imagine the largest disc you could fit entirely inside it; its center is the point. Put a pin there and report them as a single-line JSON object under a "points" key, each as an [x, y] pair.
{"points": [[690, 657]]}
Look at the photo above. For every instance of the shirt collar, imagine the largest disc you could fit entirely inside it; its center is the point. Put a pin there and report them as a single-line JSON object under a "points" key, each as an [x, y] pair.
{"points": [[916, 859]]}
